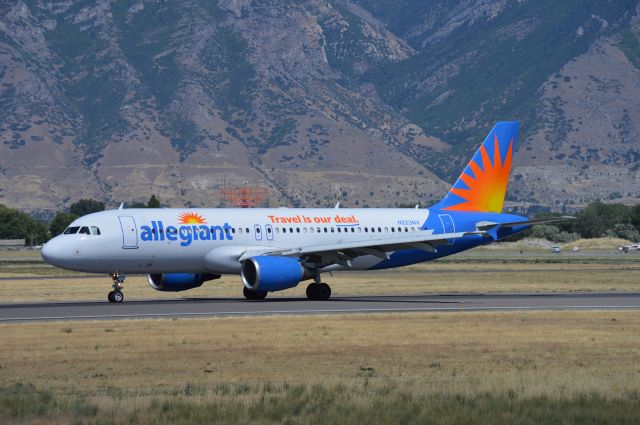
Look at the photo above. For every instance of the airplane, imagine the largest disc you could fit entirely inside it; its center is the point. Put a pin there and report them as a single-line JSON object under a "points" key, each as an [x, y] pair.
{"points": [[274, 249]]}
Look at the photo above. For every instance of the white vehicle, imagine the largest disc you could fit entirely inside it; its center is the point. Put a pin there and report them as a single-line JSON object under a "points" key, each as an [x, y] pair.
{"points": [[555, 249], [273, 249], [627, 248]]}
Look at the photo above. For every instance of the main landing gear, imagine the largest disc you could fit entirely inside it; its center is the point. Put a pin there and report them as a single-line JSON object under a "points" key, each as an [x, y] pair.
{"points": [[253, 295], [319, 291], [116, 296]]}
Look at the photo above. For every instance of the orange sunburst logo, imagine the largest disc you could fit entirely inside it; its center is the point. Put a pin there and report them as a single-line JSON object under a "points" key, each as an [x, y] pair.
{"points": [[486, 188], [191, 218]]}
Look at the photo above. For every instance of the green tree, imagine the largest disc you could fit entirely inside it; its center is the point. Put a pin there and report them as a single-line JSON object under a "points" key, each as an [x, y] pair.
{"points": [[553, 233], [635, 216], [86, 206], [154, 202], [15, 224], [60, 222], [624, 231], [595, 220]]}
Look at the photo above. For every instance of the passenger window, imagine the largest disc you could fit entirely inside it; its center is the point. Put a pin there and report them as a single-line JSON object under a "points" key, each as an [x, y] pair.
{"points": [[393, 230], [353, 230], [71, 230], [339, 230], [304, 230], [359, 229], [246, 229], [298, 229], [95, 230], [386, 230], [379, 230], [318, 229], [290, 229], [366, 230], [277, 230], [325, 230], [413, 229], [406, 229], [333, 229], [269, 230], [373, 230]]}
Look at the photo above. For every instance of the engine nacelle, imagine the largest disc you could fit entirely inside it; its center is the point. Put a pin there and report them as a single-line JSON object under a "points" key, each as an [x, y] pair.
{"points": [[269, 273], [176, 282]]}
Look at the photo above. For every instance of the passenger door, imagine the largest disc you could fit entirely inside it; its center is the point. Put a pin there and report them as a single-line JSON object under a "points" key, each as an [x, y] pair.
{"points": [[129, 232]]}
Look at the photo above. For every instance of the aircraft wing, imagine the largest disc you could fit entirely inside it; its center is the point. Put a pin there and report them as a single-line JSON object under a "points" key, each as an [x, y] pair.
{"points": [[342, 253]]}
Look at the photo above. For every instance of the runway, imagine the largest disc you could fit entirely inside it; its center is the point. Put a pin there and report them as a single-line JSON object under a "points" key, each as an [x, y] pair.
{"points": [[221, 307]]}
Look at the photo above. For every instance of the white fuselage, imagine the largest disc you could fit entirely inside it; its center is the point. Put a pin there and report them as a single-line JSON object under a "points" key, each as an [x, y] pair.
{"points": [[210, 240]]}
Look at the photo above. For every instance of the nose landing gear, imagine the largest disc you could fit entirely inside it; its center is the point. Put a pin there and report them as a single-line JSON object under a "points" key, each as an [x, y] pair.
{"points": [[116, 296]]}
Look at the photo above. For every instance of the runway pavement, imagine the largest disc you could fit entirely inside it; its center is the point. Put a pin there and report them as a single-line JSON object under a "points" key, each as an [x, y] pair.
{"points": [[185, 307]]}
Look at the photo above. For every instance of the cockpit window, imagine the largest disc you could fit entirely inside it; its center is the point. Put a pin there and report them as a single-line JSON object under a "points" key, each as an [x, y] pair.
{"points": [[71, 230], [95, 230], [84, 230]]}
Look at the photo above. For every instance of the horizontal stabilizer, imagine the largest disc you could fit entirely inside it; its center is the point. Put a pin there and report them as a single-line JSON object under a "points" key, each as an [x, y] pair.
{"points": [[485, 227]]}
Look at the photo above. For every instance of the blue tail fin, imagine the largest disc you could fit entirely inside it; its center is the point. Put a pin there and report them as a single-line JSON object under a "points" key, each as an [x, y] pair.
{"points": [[482, 185]]}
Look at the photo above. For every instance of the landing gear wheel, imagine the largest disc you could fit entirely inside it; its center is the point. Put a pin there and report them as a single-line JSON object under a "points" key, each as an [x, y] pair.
{"points": [[118, 296], [253, 295], [318, 291]]}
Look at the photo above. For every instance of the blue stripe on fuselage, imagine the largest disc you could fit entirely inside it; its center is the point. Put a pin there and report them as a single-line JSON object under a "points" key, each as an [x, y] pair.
{"points": [[463, 222]]}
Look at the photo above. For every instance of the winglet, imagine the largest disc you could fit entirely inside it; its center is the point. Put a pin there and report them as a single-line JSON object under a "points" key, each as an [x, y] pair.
{"points": [[121, 207]]}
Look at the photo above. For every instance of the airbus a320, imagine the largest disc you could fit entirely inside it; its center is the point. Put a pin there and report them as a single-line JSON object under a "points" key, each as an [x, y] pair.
{"points": [[273, 249]]}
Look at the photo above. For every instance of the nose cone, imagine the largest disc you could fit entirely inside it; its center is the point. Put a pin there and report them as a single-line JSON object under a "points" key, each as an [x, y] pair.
{"points": [[53, 253]]}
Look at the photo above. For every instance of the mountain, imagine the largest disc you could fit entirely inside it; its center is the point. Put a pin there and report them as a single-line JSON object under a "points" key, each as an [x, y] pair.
{"points": [[368, 102]]}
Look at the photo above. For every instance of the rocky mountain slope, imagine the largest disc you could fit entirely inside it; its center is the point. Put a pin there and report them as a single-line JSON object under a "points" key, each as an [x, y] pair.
{"points": [[367, 102]]}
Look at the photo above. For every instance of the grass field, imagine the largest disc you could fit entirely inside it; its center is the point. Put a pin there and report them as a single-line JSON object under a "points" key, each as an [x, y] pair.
{"points": [[445, 368], [398, 367], [484, 270]]}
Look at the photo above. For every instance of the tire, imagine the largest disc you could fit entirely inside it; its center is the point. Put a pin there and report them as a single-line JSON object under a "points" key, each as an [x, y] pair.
{"points": [[311, 290], [118, 296], [253, 295], [110, 297], [322, 291]]}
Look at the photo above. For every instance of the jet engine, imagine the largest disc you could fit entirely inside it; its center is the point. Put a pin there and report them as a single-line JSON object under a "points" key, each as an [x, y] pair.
{"points": [[269, 273], [176, 282]]}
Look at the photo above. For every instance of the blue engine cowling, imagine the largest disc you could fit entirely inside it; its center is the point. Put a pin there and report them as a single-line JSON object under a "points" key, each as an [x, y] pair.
{"points": [[176, 282], [269, 273]]}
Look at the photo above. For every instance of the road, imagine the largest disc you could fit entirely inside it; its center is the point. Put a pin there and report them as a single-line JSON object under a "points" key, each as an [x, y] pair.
{"points": [[198, 307]]}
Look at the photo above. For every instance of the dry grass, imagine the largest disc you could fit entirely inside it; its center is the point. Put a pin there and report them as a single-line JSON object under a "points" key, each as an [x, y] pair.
{"points": [[550, 353], [597, 243], [480, 270], [490, 276]]}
